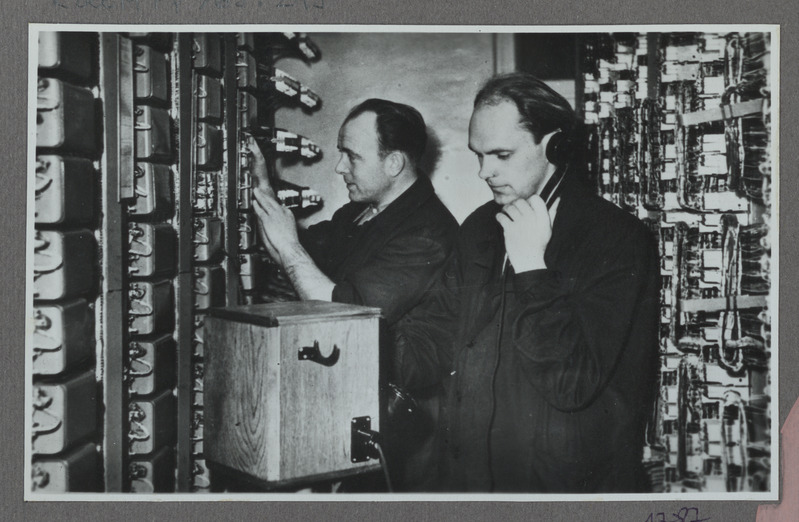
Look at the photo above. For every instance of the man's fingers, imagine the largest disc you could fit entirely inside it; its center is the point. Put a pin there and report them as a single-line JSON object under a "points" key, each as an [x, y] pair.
{"points": [[259, 210], [537, 204], [518, 209], [503, 219], [265, 199], [512, 211]]}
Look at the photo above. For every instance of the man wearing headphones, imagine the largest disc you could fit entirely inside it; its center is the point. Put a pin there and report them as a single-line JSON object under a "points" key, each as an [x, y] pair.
{"points": [[544, 326]]}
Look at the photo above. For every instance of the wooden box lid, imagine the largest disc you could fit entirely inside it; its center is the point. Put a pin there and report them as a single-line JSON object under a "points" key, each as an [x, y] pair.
{"points": [[293, 312]]}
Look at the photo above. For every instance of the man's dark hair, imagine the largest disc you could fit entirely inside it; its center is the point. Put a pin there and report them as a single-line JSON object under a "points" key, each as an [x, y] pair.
{"points": [[400, 127], [542, 110]]}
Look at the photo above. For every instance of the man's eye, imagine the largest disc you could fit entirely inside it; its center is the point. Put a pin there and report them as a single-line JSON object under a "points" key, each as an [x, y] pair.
{"points": [[503, 156]]}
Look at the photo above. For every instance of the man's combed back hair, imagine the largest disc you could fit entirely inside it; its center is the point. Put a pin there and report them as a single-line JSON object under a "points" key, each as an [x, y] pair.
{"points": [[400, 127], [542, 110]]}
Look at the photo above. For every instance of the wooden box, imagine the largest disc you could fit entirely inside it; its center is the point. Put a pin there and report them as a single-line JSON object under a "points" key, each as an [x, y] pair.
{"points": [[280, 418]]}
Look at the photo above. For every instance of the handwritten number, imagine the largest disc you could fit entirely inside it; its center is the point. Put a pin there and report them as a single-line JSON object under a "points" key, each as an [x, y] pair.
{"points": [[692, 512], [685, 514]]}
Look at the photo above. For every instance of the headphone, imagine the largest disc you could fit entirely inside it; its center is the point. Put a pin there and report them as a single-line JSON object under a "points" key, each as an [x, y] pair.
{"points": [[559, 148], [558, 153]]}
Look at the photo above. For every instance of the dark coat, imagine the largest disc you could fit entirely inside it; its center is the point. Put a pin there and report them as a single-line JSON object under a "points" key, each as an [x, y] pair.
{"points": [[553, 398], [390, 260]]}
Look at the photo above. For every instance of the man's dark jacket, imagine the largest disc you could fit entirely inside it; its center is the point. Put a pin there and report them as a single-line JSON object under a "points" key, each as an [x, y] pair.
{"points": [[555, 397], [390, 260]]}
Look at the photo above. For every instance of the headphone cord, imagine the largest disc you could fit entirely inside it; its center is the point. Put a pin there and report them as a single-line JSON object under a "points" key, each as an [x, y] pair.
{"points": [[550, 193]]}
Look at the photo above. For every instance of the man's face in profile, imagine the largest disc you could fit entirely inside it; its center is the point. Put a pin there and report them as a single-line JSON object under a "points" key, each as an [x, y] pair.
{"points": [[360, 164], [511, 163]]}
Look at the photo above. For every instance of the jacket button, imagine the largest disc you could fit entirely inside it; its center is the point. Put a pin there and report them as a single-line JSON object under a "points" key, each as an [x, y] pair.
{"points": [[470, 344]]}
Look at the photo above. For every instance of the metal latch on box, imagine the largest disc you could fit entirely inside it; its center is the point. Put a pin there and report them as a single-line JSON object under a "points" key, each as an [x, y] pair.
{"points": [[364, 441]]}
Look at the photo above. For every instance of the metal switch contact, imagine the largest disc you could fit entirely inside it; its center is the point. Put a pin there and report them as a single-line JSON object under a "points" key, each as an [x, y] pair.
{"points": [[151, 249], [208, 236], [153, 191], [207, 53], [62, 337], [63, 413], [150, 307], [65, 190], [63, 263], [151, 74], [152, 423], [65, 117], [153, 133], [209, 99], [209, 287], [151, 365]]}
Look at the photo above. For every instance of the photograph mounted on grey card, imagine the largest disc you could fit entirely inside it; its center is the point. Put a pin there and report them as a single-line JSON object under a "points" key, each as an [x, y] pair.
{"points": [[528, 263]]}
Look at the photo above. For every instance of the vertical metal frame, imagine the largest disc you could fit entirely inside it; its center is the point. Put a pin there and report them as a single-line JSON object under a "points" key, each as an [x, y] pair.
{"points": [[116, 83], [230, 208], [183, 97]]}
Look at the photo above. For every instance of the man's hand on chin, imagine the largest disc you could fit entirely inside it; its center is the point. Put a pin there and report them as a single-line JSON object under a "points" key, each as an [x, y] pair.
{"points": [[528, 229]]}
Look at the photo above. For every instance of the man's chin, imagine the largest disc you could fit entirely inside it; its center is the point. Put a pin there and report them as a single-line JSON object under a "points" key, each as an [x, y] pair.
{"points": [[503, 199]]}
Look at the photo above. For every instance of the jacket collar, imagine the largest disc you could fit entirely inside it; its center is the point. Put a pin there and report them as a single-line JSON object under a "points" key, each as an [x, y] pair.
{"points": [[407, 202]]}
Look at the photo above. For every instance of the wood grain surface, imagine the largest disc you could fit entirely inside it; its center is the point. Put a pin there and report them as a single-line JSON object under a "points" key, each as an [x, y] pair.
{"points": [[276, 417], [241, 383], [319, 401]]}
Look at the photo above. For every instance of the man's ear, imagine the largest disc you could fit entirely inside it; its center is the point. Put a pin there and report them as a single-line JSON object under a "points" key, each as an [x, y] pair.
{"points": [[394, 163]]}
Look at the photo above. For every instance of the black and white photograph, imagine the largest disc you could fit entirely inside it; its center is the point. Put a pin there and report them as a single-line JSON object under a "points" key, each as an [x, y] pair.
{"points": [[402, 262]]}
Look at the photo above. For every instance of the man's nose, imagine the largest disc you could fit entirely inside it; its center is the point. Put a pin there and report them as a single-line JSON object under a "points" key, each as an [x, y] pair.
{"points": [[342, 167], [487, 170]]}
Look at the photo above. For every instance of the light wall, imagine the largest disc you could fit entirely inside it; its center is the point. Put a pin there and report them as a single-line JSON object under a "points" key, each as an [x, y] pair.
{"points": [[438, 74]]}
